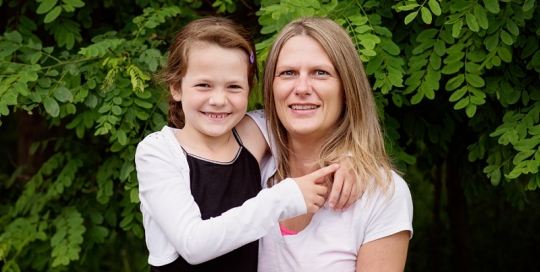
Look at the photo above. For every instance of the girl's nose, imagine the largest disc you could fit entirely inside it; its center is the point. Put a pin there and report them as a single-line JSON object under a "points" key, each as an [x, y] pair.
{"points": [[218, 98]]}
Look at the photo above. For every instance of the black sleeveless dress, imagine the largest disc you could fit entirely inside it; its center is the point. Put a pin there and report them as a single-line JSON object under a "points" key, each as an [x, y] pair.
{"points": [[216, 188]]}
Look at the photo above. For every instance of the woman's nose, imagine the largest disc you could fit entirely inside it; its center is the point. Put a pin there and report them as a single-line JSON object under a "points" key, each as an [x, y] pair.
{"points": [[303, 85]]}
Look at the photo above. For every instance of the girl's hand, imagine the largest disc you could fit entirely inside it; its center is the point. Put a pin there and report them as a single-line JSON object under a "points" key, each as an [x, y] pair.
{"points": [[344, 189], [313, 188]]}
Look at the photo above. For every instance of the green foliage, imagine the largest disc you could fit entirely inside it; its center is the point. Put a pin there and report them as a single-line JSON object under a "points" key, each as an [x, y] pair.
{"points": [[484, 55], [456, 83]]}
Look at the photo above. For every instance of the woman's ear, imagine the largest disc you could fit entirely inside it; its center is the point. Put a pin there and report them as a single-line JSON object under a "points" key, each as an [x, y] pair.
{"points": [[176, 92]]}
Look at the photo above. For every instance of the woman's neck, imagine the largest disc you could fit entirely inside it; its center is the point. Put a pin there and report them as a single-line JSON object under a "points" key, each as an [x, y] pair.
{"points": [[303, 156]]}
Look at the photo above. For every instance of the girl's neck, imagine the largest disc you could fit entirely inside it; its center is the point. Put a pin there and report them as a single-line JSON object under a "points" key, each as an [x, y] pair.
{"points": [[222, 148]]}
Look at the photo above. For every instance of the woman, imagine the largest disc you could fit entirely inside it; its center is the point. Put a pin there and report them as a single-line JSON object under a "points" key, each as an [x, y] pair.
{"points": [[320, 109]]}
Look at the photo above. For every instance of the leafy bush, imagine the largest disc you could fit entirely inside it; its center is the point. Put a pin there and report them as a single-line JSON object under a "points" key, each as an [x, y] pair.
{"points": [[456, 83]]}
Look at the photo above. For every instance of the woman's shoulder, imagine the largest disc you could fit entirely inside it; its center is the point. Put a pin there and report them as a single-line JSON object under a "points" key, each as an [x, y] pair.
{"points": [[400, 185]]}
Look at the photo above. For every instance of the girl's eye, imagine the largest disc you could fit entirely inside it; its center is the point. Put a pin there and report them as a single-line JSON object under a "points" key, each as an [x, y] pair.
{"points": [[202, 85], [235, 87]]}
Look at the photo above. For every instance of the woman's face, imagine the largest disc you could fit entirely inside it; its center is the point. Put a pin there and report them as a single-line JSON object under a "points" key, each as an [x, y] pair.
{"points": [[307, 89]]}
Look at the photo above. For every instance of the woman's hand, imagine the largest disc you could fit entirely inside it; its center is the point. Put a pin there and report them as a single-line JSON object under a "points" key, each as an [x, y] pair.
{"points": [[313, 188], [344, 189]]}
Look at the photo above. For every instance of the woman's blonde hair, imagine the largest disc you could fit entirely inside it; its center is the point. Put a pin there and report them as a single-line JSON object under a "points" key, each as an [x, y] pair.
{"points": [[358, 133]]}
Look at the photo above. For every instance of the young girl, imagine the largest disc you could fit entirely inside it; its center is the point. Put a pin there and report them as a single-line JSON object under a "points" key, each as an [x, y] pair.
{"points": [[198, 177]]}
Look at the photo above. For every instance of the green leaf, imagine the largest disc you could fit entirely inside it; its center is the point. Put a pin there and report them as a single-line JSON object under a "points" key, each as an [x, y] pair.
{"points": [[492, 41], [435, 61], [456, 28], [526, 144], [522, 156], [452, 68], [134, 195], [440, 47], [455, 83], [116, 110], [530, 47], [389, 46], [53, 14], [35, 57], [464, 102], [481, 17], [472, 23], [62, 94], [122, 139], [74, 3], [410, 17], [496, 177], [426, 15], [51, 106], [45, 6], [492, 6], [426, 35], [475, 80], [435, 7], [142, 103], [496, 61], [314, 3], [13, 36], [408, 7], [504, 54], [506, 38], [363, 29], [512, 27], [374, 64], [417, 97], [529, 4], [470, 110]]}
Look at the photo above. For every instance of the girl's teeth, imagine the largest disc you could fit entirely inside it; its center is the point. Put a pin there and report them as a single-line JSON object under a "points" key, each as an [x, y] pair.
{"points": [[217, 116]]}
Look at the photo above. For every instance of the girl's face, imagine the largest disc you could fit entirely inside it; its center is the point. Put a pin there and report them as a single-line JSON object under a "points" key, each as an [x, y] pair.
{"points": [[214, 91], [307, 89]]}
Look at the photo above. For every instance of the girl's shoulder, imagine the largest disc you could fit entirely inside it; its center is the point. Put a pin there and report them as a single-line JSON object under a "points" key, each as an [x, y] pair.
{"points": [[159, 141]]}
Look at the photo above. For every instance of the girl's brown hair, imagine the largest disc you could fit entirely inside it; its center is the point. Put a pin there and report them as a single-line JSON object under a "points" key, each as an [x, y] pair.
{"points": [[358, 133], [212, 30]]}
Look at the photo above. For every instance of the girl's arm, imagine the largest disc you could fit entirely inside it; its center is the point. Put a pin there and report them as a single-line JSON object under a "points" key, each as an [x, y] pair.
{"points": [[170, 211]]}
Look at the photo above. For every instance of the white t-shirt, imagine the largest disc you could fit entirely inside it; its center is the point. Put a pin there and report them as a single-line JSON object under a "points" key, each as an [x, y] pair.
{"points": [[332, 239], [172, 219]]}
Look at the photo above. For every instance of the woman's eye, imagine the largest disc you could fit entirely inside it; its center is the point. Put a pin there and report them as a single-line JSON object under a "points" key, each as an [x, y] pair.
{"points": [[288, 73], [321, 73]]}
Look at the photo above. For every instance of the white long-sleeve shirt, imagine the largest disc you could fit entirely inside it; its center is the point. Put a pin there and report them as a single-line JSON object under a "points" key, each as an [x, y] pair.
{"points": [[172, 220]]}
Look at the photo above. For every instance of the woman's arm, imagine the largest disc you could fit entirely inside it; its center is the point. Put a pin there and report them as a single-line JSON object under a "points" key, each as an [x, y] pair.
{"points": [[253, 132], [388, 229], [386, 254]]}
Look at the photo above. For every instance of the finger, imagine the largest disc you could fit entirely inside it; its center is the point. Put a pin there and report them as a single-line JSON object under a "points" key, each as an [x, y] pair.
{"points": [[325, 171], [353, 198], [339, 179], [344, 196], [321, 190], [319, 201]]}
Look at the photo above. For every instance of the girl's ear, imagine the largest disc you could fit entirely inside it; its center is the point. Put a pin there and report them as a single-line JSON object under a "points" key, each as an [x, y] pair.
{"points": [[176, 92]]}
